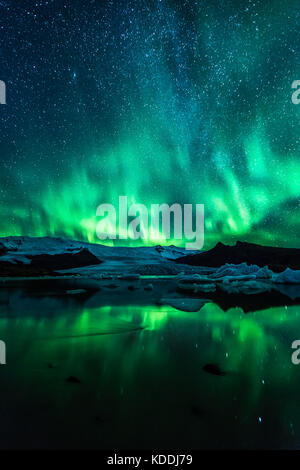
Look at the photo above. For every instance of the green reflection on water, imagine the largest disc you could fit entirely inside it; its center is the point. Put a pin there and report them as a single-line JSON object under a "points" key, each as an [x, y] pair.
{"points": [[149, 382]]}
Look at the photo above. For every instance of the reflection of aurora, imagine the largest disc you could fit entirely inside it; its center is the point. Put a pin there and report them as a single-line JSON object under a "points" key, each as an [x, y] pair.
{"points": [[243, 343], [186, 105], [159, 368]]}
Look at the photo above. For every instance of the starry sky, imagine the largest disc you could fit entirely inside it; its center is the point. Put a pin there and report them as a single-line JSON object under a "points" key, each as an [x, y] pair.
{"points": [[160, 100]]}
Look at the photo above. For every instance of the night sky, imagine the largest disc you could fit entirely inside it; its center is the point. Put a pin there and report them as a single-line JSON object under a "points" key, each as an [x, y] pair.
{"points": [[163, 101]]}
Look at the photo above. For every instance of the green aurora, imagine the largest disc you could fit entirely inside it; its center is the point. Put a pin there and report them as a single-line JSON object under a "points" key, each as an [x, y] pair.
{"points": [[161, 101]]}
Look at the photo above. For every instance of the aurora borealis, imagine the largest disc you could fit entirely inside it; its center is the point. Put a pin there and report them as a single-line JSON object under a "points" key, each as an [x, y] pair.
{"points": [[162, 101]]}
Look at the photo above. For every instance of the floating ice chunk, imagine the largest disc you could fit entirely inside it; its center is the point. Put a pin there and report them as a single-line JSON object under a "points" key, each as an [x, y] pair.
{"points": [[290, 290], [264, 273], [194, 279], [231, 279], [204, 287], [243, 269], [289, 276], [247, 288], [235, 270]]}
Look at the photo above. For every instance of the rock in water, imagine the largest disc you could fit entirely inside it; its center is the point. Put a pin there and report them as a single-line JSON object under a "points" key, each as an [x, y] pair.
{"points": [[148, 287], [185, 304], [213, 369], [74, 380]]}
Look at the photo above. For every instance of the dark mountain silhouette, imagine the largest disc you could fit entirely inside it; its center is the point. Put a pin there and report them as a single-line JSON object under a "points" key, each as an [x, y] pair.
{"points": [[278, 259], [3, 249], [65, 260]]}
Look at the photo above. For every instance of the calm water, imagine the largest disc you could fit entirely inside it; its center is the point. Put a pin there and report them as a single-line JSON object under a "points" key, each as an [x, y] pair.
{"points": [[145, 388]]}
